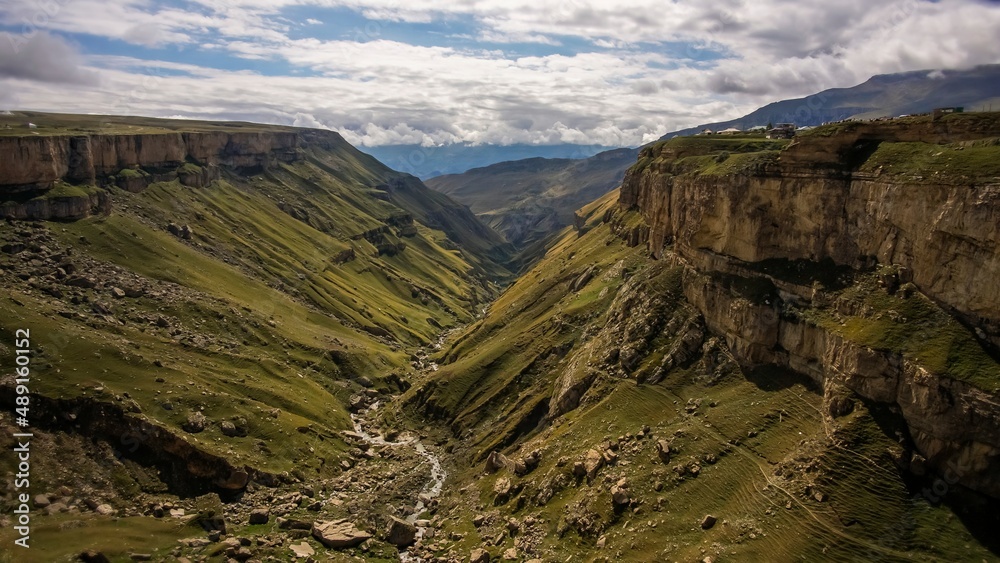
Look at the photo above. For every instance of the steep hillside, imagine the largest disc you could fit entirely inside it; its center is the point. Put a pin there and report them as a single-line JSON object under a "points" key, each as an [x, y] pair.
{"points": [[886, 95], [205, 302], [529, 200], [755, 353]]}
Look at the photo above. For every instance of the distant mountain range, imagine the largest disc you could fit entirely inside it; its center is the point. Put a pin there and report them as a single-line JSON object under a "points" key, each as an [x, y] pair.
{"points": [[976, 89], [528, 200], [427, 162]]}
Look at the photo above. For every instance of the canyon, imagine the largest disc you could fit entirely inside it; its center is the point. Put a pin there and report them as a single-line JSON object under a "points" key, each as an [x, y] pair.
{"points": [[752, 349]]}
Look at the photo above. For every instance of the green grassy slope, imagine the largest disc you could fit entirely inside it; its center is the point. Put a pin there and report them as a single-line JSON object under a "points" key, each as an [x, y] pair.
{"points": [[297, 285], [757, 448]]}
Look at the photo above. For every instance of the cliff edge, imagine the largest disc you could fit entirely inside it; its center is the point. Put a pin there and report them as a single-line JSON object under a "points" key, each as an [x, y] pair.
{"points": [[863, 255]]}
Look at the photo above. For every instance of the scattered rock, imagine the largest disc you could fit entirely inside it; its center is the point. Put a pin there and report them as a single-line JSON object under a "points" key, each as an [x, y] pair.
{"points": [[592, 463], [496, 461], [293, 524], [100, 308], [260, 516], [57, 507], [663, 450], [302, 550], [619, 494], [338, 534], [81, 281], [502, 487]]}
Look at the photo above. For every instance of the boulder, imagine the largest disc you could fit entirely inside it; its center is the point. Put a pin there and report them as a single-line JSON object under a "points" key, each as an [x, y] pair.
{"points": [[708, 521], [663, 450], [337, 534], [496, 461], [260, 516], [592, 463], [236, 480], [41, 501], [479, 556], [401, 533], [195, 423], [81, 281], [293, 524], [502, 487], [619, 494]]}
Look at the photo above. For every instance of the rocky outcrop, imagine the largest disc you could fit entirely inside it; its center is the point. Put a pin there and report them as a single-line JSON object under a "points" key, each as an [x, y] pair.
{"points": [[35, 162], [186, 469], [59, 208], [812, 206], [854, 222], [953, 424], [33, 165]]}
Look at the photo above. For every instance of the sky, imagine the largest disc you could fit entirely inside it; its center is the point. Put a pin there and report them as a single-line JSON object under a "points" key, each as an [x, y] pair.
{"points": [[426, 72]]}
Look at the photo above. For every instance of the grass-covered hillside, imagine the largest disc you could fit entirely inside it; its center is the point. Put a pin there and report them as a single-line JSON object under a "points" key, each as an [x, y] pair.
{"points": [[237, 318], [601, 416]]}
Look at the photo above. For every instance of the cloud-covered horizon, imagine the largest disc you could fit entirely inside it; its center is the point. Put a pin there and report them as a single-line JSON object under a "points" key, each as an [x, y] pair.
{"points": [[473, 71]]}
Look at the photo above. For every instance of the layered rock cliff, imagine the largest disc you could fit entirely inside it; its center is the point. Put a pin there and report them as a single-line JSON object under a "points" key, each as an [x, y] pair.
{"points": [[34, 165], [907, 203], [33, 162]]}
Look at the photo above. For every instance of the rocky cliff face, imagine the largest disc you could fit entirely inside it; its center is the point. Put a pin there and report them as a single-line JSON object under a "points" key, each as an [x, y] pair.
{"points": [[819, 204], [38, 161], [33, 165]]}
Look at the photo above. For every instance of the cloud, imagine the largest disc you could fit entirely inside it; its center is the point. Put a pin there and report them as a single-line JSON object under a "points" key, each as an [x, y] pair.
{"points": [[508, 71], [42, 57]]}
